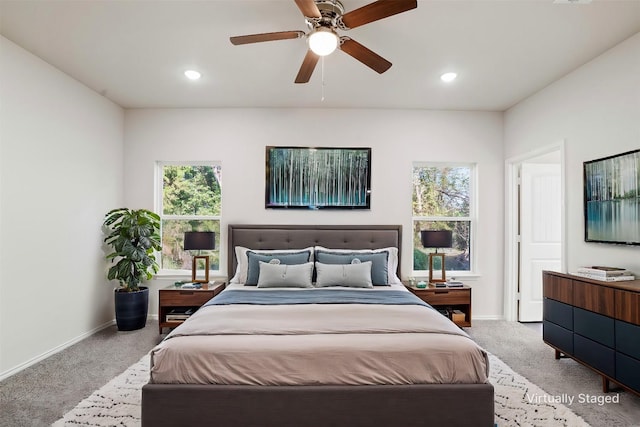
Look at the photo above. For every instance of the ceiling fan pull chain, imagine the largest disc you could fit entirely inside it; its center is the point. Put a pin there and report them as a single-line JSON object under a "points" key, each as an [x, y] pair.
{"points": [[322, 70]]}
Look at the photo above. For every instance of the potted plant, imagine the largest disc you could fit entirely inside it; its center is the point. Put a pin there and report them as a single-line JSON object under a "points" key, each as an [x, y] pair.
{"points": [[134, 236]]}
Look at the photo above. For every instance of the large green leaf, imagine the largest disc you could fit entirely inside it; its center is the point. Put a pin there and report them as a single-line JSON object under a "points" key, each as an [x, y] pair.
{"points": [[124, 269], [113, 216], [144, 242]]}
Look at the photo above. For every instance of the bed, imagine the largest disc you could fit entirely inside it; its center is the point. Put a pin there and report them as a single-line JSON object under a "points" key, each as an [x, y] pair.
{"points": [[318, 356]]}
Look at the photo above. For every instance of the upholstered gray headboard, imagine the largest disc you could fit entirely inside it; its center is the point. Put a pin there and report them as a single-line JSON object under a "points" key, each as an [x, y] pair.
{"points": [[257, 236]]}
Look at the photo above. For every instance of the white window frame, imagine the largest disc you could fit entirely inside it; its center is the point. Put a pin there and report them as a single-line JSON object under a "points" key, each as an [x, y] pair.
{"points": [[472, 218], [158, 203]]}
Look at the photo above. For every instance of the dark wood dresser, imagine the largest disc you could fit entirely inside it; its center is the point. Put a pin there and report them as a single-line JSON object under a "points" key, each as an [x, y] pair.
{"points": [[596, 323]]}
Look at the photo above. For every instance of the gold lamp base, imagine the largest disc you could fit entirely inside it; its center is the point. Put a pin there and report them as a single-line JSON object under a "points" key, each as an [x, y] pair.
{"points": [[194, 268]]}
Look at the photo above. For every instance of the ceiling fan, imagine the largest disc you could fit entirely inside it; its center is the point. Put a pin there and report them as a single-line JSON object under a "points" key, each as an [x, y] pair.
{"points": [[324, 18]]}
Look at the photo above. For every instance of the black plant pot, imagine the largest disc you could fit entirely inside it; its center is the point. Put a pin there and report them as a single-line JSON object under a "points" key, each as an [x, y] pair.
{"points": [[131, 309]]}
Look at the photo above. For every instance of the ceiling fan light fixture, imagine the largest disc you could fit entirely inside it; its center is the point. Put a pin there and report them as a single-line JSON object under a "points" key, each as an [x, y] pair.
{"points": [[323, 41]]}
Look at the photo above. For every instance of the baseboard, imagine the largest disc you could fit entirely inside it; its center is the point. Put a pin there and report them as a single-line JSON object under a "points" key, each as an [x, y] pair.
{"points": [[6, 374], [487, 317]]}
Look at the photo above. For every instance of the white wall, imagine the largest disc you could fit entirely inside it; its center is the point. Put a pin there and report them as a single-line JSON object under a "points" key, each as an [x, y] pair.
{"points": [[60, 171], [237, 138], [596, 110]]}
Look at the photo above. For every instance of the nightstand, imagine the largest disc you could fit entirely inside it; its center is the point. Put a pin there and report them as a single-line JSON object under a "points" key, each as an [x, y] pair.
{"points": [[172, 297], [458, 298]]}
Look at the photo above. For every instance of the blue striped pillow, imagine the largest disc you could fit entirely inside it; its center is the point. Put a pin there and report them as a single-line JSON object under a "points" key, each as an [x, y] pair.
{"points": [[379, 262], [289, 258]]}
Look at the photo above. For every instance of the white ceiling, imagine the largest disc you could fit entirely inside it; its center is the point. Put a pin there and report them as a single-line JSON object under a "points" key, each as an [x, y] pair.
{"points": [[135, 51]]}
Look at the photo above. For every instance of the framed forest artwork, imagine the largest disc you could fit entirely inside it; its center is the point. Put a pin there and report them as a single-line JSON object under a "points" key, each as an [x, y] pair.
{"points": [[612, 199], [318, 178]]}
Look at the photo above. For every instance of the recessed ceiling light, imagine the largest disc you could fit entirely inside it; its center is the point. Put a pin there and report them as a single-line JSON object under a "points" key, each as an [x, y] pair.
{"points": [[192, 74], [448, 77]]}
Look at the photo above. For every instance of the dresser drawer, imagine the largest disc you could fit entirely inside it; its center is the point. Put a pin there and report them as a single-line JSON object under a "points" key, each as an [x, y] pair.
{"points": [[627, 304], [558, 313], [185, 297], [595, 355], [594, 326], [557, 336], [628, 371], [557, 288], [628, 339], [596, 298]]}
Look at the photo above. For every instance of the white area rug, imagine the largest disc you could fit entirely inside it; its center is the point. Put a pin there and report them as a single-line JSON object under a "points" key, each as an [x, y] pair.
{"points": [[518, 402], [117, 403]]}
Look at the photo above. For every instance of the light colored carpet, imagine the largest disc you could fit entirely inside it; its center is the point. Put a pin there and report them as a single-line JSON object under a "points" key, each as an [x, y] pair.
{"points": [[518, 402]]}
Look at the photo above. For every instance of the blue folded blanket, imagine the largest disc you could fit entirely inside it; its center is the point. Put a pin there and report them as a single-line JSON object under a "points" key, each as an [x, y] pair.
{"points": [[316, 296]]}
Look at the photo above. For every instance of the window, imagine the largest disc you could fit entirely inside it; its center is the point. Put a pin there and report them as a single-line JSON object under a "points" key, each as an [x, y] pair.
{"points": [[189, 200], [443, 199]]}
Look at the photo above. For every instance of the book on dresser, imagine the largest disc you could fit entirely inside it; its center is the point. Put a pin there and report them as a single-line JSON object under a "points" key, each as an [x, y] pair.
{"points": [[606, 274], [605, 279], [604, 271]]}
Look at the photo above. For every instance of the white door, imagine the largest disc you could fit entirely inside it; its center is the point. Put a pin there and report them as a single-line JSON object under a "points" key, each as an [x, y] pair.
{"points": [[540, 233]]}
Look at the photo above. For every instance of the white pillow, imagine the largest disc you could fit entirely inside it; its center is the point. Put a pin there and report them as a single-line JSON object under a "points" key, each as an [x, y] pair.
{"points": [[352, 275], [285, 276], [240, 275], [392, 259]]}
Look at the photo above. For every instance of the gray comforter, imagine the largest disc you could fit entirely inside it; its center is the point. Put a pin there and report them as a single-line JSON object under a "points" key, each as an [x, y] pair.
{"points": [[304, 344]]}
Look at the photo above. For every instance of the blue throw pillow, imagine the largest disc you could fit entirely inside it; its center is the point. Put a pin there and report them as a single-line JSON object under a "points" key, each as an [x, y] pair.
{"points": [[253, 269], [379, 272]]}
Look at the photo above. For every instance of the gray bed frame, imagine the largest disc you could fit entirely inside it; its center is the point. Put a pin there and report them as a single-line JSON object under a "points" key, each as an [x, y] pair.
{"points": [[318, 405]]}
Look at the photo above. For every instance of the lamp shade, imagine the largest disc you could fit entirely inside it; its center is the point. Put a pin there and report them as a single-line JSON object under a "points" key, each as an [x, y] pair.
{"points": [[436, 238], [199, 240]]}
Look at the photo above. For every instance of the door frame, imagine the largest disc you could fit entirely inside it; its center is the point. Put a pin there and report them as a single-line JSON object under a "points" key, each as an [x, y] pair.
{"points": [[512, 217]]}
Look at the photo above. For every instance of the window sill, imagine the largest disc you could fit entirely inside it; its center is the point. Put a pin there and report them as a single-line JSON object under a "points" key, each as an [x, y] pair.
{"points": [[461, 276], [183, 274]]}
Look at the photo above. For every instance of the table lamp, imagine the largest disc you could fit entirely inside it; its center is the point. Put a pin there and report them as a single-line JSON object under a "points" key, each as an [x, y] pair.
{"points": [[436, 239], [200, 241]]}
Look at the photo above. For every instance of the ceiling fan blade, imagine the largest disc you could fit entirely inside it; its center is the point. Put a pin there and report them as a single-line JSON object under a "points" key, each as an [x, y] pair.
{"points": [[307, 67], [308, 8], [266, 37], [367, 57], [377, 10]]}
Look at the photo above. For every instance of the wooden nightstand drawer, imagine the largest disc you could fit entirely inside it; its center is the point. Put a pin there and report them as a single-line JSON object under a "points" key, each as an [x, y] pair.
{"points": [[446, 296], [185, 297]]}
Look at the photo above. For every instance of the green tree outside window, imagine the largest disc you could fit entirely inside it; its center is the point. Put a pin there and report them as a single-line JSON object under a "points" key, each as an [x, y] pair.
{"points": [[442, 200], [191, 201]]}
